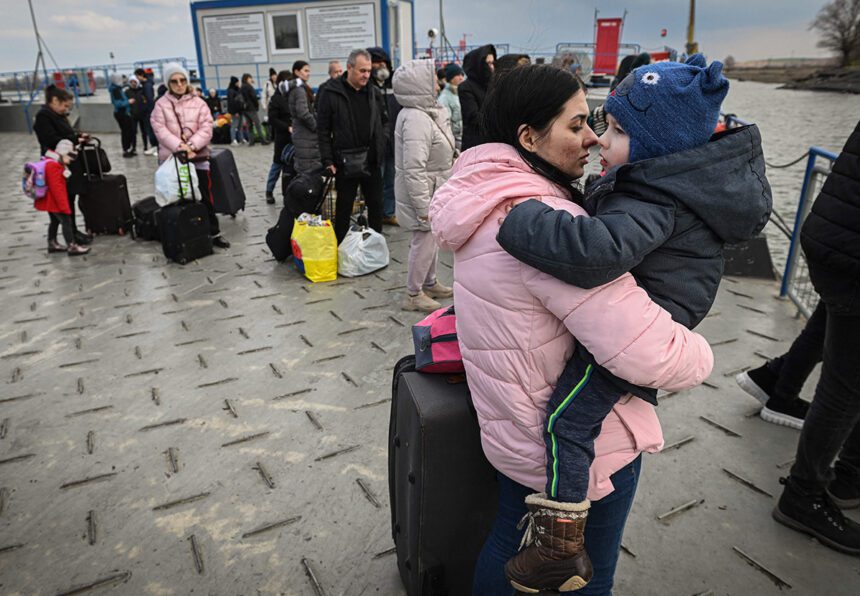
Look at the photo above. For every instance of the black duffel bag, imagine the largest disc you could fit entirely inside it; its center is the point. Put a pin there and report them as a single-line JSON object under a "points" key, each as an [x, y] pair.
{"points": [[307, 191]]}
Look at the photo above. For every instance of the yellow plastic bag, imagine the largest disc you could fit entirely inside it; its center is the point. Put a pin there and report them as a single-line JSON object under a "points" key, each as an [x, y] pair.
{"points": [[315, 250]]}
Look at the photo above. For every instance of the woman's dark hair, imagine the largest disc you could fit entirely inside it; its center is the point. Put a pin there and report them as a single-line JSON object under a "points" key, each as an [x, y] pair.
{"points": [[284, 75], [298, 65], [246, 77], [532, 94], [52, 91]]}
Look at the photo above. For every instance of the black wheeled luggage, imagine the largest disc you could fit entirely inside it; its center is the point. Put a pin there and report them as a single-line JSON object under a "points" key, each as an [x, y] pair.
{"points": [[184, 226], [227, 192], [443, 491], [104, 197], [145, 214]]}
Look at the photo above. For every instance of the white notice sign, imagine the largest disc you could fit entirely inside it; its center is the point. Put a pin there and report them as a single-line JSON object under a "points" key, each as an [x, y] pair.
{"points": [[334, 31], [235, 39]]}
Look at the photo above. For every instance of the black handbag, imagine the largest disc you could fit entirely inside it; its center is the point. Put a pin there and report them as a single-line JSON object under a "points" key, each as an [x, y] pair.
{"points": [[354, 162]]}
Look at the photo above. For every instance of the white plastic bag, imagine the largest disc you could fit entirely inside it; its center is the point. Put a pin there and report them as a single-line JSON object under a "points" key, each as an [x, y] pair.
{"points": [[167, 182], [362, 251]]}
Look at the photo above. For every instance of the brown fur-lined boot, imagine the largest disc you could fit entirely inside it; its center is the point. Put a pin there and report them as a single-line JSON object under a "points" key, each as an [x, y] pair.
{"points": [[552, 554]]}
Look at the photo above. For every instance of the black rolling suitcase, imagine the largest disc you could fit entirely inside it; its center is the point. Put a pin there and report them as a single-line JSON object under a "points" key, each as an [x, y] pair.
{"points": [[184, 227], [227, 192], [104, 197], [145, 214], [443, 491]]}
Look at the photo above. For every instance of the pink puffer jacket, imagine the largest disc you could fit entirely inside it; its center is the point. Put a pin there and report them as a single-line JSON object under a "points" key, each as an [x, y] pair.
{"points": [[195, 121], [516, 327]]}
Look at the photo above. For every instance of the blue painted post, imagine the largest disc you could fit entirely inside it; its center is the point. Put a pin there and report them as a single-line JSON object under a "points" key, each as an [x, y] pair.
{"points": [[814, 152]]}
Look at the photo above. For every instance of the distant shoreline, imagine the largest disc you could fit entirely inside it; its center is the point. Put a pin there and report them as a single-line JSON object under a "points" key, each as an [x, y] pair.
{"points": [[808, 78]]}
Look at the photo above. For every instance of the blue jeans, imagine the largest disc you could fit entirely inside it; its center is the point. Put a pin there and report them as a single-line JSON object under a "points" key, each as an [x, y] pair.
{"points": [[603, 533], [388, 201], [274, 173]]}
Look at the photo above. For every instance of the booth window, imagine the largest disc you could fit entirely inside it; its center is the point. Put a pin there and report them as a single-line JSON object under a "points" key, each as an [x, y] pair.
{"points": [[285, 32]]}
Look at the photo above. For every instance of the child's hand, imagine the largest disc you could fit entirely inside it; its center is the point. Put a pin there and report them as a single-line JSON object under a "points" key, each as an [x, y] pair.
{"points": [[508, 208]]}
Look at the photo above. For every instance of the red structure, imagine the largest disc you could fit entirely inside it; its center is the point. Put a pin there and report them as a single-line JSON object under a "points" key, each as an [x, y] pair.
{"points": [[607, 37]]}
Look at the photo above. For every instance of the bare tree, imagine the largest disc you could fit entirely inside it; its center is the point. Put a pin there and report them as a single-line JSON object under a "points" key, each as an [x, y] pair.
{"points": [[839, 25]]}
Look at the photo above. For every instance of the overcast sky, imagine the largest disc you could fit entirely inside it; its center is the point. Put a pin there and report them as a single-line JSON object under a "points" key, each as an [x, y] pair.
{"points": [[84, 32]]}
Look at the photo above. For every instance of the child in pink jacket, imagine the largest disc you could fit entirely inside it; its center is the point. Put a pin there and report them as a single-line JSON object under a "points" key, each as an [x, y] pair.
{"points": [[516, 325]]}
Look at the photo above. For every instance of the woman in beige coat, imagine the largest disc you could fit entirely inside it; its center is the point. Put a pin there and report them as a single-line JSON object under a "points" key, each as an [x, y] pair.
{"points": [[424, 152]]}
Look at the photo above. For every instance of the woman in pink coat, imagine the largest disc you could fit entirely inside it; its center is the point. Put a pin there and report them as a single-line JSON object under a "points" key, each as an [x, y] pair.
{"points": [[517, 326], [182, 122]]}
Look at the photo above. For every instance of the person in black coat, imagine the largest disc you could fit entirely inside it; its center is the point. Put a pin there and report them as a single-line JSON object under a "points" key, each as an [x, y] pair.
{"points": [[51, 126], [236, 107], [479, 65], [279, 119], [815, 495], [251, 115], [381, 76], [145, 79], [351, 117], [138, 109]]}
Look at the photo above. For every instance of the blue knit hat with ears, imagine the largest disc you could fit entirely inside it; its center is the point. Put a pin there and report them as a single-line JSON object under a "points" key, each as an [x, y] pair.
{"points": [[669, 106]]}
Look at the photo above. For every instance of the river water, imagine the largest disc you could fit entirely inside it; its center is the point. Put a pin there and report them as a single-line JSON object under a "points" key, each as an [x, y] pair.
{"points": [[790, 122]]}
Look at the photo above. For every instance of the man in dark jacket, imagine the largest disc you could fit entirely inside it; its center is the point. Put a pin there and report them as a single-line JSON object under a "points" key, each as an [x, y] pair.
{"points": [[814, 495], [279, 119], [335, 70], [251, 115], [351, 123], [479, 65], [51, 126], [381, 76], [146, 108]]}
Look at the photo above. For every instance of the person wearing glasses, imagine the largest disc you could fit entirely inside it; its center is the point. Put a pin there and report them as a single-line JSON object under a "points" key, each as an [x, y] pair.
{"points": [[182, 122]]}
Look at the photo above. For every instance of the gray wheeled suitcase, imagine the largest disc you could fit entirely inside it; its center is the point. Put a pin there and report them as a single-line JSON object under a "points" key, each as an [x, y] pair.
{"points": [[443, 491]]}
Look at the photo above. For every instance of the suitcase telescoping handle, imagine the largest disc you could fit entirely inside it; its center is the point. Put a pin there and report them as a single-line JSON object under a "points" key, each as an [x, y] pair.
{"points": [[93, 144], [182, 157]]}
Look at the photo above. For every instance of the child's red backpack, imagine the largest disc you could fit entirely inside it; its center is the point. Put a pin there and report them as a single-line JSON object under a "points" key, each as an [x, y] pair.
{"points": [[436, 347], [33, 182]]}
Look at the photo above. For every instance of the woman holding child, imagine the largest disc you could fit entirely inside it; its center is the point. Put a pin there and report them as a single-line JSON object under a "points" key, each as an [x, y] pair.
{"points": [[516, 327]]}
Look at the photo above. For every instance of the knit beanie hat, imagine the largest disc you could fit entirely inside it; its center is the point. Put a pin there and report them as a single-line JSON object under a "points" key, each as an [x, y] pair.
{"points": [[116, 79], [65, 147], [172, 68], [669, 107], [452, 70]]}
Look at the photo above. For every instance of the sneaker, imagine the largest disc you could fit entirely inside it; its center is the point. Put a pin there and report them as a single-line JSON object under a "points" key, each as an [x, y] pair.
{"points": [[151, 151], [845, 492], [234, 142], [54, 246], [785, 412], [420, 302], [390, 220], [220, 242], [75, 250], [245, 141], [270, 198], [437, 291], [758, 382], [817, 516]]}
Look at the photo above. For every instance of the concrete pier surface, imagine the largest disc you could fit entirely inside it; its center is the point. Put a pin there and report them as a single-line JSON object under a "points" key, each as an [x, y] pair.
{"points": [[221, 428]]}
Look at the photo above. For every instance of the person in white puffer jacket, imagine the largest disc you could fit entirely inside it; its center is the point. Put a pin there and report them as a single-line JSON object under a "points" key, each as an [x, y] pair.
{"points": [[424, 152]]}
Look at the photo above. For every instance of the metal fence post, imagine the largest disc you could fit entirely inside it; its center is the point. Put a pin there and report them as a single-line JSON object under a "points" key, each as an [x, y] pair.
{"points": [[793, 249]]}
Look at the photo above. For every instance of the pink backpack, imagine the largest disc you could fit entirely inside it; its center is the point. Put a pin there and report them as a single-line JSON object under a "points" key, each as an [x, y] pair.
{"points": [[436, 347], [33, 182]]}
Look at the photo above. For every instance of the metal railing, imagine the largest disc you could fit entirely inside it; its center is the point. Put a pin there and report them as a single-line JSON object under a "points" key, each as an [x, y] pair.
{"points": [[796, 284]]}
